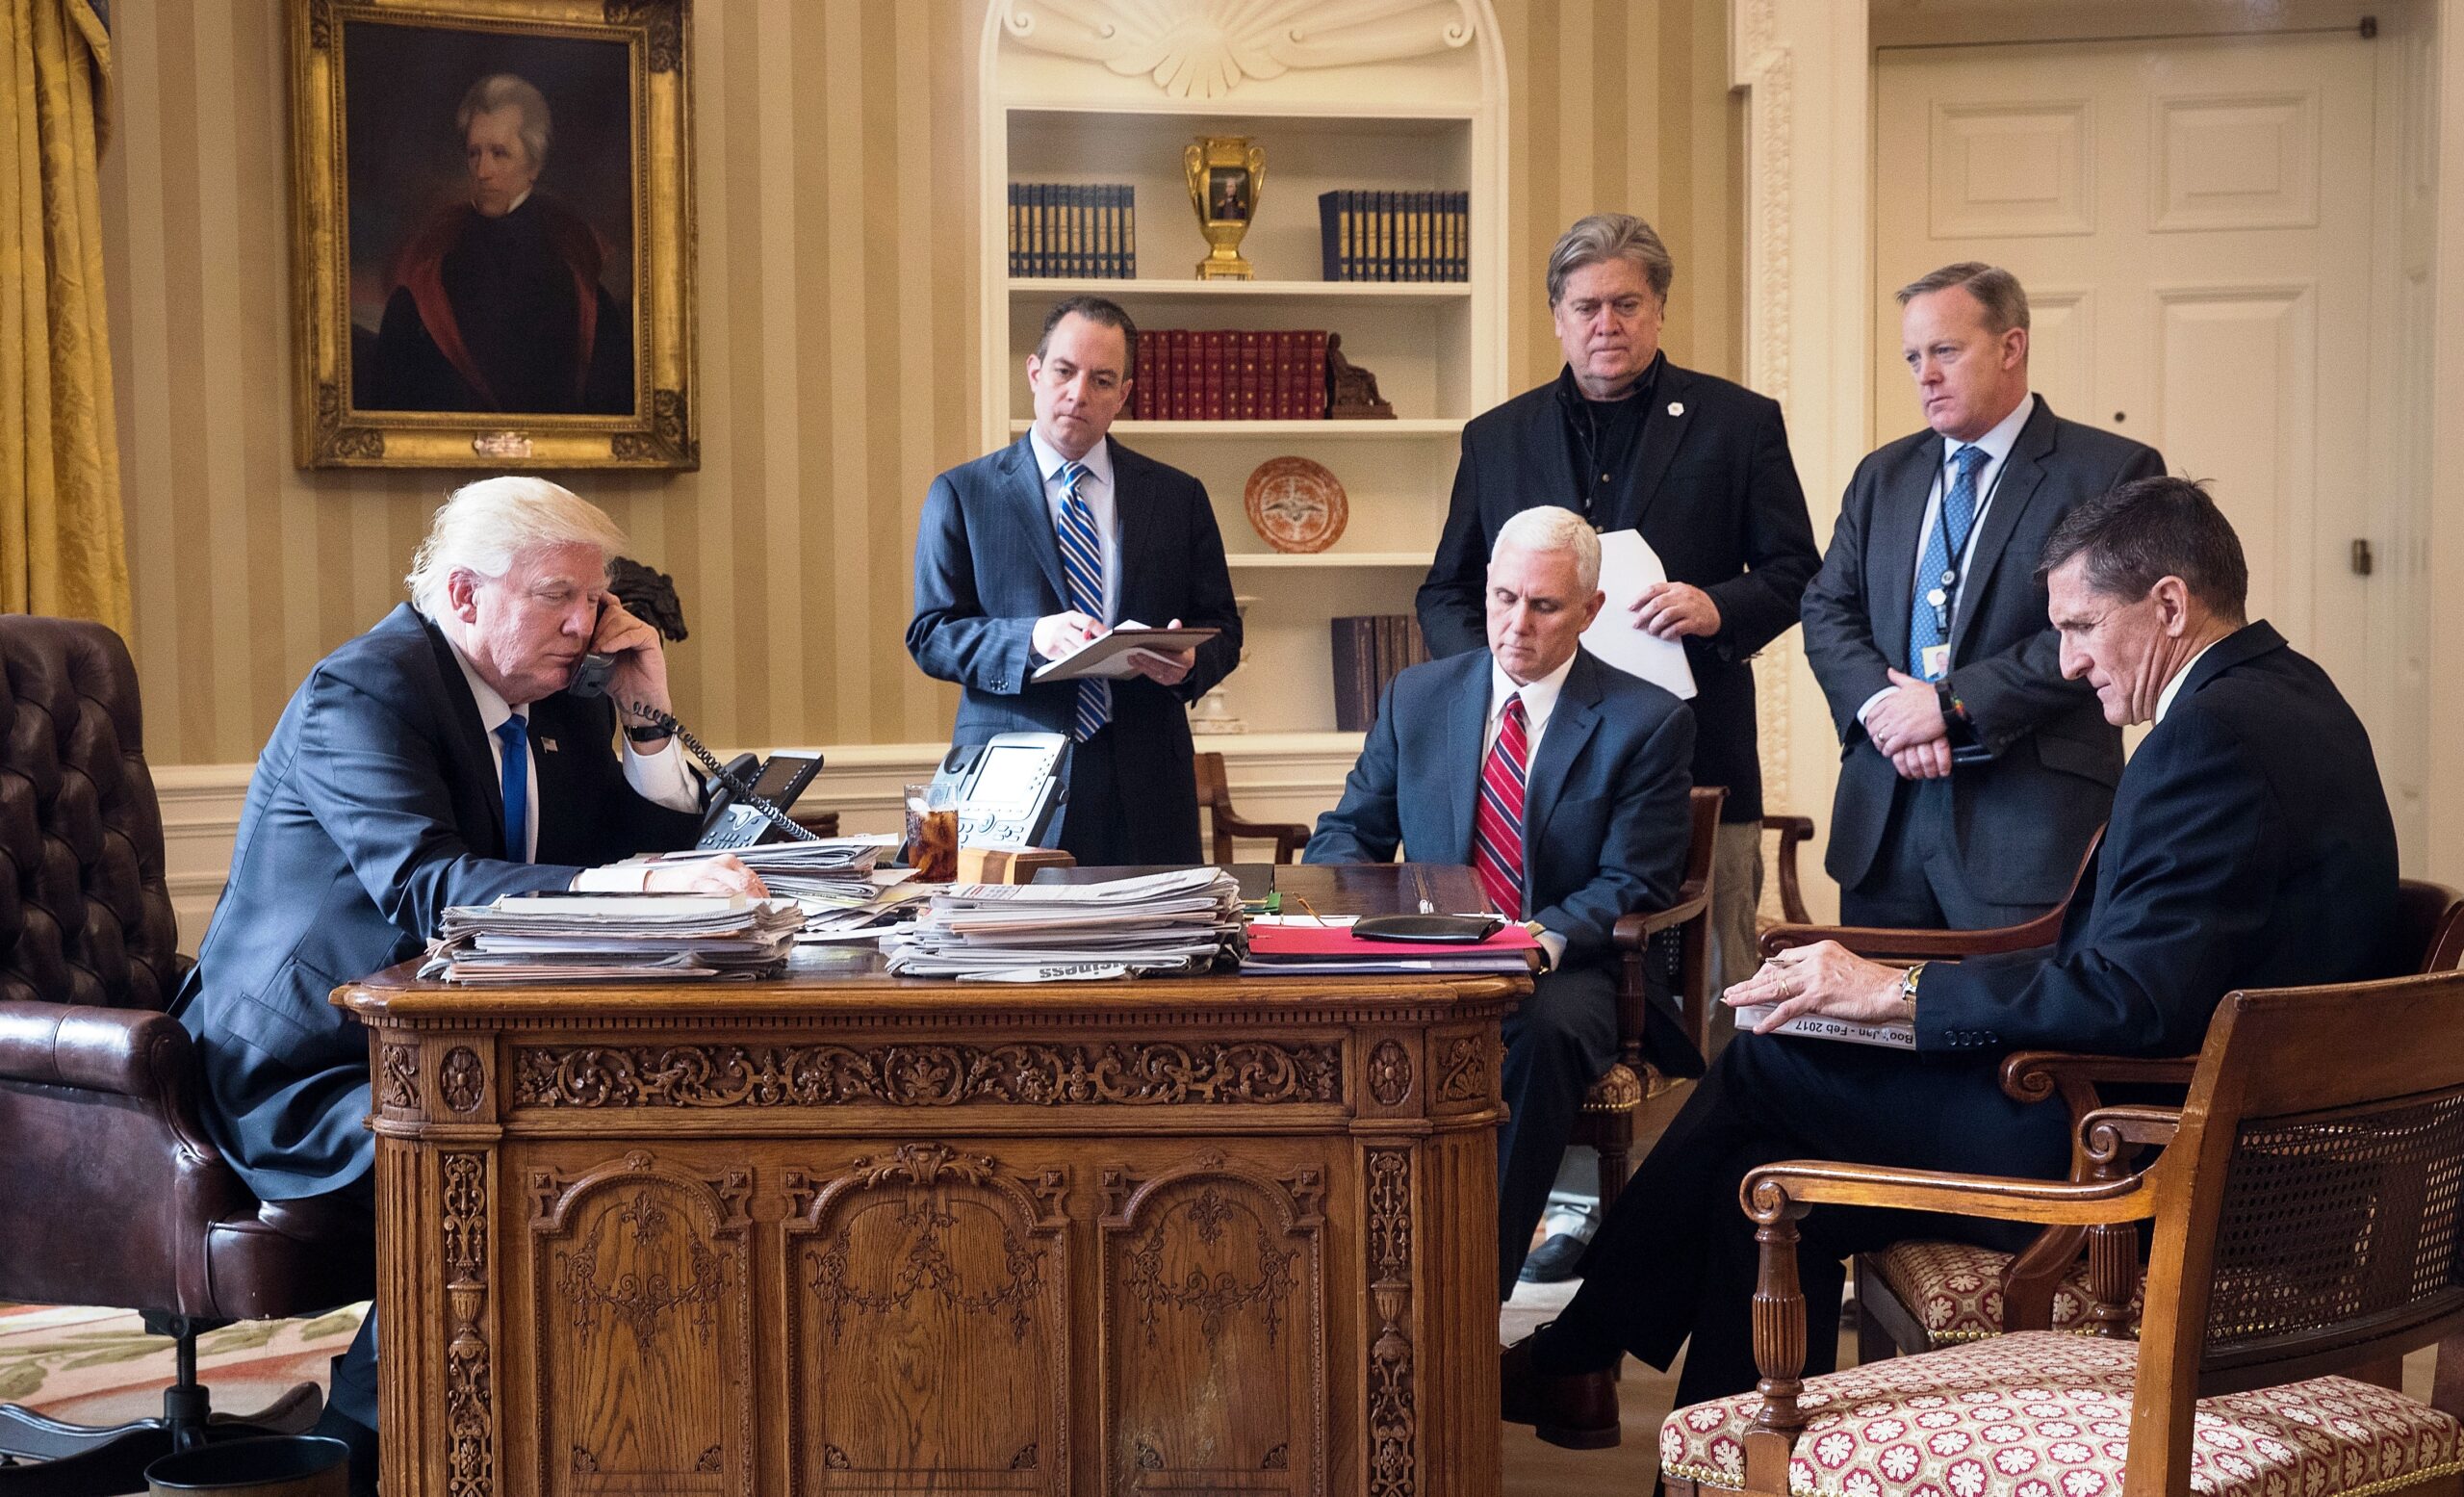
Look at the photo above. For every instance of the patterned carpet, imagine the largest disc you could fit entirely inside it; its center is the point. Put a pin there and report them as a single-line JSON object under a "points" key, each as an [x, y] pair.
{"points": [[96, 1366]]}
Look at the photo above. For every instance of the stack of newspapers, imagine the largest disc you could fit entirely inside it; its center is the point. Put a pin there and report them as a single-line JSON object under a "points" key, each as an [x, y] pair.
{"points": [[834, 871], [1180, 922], [615, 938]]}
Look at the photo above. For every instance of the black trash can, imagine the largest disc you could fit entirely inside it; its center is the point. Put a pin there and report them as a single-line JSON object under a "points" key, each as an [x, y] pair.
{"points": [[286, 1465]]}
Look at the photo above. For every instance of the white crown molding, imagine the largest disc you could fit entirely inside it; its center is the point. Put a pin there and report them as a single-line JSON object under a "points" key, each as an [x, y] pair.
{"points": [[1210, 47]]}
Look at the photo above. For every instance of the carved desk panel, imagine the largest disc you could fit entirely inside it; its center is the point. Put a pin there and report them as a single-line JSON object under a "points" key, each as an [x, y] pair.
{"points": [[845, 1234]]}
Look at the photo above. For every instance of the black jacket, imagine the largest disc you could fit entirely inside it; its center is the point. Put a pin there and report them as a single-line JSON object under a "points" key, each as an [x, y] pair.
{"points": [[1715, 494], [2250, 846]]}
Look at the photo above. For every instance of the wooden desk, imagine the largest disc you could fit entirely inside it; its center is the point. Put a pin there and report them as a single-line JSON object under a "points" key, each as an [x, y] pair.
{"points": [[845, 1234]]}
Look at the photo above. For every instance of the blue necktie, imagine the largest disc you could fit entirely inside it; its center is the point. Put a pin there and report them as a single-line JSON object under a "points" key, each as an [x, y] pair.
{"points": [[1937, 575], [515, 734], [1082, 562]]}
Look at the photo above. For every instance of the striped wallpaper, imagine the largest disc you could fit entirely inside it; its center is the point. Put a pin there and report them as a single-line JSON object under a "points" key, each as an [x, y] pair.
{"points": [[835, 196]]}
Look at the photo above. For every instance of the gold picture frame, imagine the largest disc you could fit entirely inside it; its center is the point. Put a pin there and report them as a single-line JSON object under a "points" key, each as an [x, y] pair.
{"points": [[413, 216]]}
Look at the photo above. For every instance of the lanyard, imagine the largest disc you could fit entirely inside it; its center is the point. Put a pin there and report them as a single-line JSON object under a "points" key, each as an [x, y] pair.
{"points": [[1941, 595]]}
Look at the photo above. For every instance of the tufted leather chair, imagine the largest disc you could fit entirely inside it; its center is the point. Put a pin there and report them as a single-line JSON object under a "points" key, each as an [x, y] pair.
{"points": [[111, 1192]]}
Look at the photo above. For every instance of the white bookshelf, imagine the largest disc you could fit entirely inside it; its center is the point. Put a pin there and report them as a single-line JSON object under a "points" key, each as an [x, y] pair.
{"points": [[1414, 107]]}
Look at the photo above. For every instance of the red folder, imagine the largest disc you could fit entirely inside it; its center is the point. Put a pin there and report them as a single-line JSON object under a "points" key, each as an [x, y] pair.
{"points": [[1338, 940]]}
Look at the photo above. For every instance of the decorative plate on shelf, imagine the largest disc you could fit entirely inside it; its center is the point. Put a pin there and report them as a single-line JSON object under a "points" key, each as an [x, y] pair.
{"points": [[1296, 506]]}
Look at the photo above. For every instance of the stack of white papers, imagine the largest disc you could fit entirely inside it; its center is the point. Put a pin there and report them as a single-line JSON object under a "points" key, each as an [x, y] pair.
{"points": [[832, 870], [613, 937], [1179, 921]]}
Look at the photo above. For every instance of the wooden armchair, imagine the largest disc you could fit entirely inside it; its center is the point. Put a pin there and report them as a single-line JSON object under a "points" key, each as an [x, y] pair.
{"points": [[2306, 1222], [1677, 943], [1921, 1295], [1215, 793], [1794, 832]]}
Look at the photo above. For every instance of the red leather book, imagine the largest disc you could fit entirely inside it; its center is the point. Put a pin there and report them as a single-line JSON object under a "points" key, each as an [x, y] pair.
{"points": [[1214, 359]]}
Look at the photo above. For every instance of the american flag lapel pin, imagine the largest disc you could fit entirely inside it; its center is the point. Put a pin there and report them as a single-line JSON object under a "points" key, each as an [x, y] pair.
{"points": [[549, 744]]}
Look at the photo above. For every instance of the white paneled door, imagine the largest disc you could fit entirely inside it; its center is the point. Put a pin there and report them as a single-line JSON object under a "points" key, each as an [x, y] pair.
{"points": [[2192, 221]]}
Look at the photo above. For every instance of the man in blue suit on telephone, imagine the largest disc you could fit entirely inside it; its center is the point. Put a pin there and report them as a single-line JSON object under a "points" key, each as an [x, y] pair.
{"points": [[1024, 555], [1564, 782], [440, 759]]}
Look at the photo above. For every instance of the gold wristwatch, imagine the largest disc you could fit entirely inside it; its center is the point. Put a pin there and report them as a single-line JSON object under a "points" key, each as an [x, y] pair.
{"points": [[1908, 987]]}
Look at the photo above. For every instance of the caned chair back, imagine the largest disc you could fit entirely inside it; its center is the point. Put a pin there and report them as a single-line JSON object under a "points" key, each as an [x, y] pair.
{"points": [[2310, 1212]]}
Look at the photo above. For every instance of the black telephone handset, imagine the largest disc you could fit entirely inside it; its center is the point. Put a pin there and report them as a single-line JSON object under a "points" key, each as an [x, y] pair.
{"points": [[745, 807]]}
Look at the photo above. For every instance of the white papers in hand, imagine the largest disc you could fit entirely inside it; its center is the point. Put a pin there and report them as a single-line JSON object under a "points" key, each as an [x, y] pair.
{"points": [[1628, 565]]}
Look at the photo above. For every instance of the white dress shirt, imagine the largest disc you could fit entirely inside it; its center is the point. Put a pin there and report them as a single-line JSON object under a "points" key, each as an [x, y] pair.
{"points": [[1539, 705], [2174, 687], [660, 777], [1096, 489], [1997, 446]]}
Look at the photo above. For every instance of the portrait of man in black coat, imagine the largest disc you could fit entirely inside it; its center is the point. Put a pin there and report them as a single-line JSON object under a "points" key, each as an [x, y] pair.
{"points": [[491, 246]]}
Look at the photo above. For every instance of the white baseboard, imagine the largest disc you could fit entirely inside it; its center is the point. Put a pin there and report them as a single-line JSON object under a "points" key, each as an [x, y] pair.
{"points": [[1275, 777]]}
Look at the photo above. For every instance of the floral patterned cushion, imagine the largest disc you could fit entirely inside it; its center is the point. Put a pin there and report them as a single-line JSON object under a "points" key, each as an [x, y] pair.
{"points": [[1954, 1290], [2042, 1413]]}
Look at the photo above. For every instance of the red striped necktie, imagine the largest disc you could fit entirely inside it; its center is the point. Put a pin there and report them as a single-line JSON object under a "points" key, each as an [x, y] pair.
{"points": [[1496, 828]]}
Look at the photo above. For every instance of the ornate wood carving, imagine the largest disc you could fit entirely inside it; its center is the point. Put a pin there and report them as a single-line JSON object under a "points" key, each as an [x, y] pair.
{"points": [[1106, 1073], [1210, 47], [1390, 1073], [1233, 1257], [321, 24], [470, 1396], [1463, 1069], [397, 1078], [935, 1265], [1394, 1419], [641, 1295], [462, 1080]]}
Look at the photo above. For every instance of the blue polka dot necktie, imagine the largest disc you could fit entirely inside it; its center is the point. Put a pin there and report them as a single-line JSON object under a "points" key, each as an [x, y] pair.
{"points": [[1082, 563], [1929, 614]]}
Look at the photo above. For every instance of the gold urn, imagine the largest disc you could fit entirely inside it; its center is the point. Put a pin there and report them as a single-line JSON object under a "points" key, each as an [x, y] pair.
{"points": [[1225, 173]]}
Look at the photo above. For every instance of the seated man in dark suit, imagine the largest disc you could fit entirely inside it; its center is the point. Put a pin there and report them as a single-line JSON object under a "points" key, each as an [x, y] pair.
{"points": [[1563, 782], [2250, 847], [435, 761]]}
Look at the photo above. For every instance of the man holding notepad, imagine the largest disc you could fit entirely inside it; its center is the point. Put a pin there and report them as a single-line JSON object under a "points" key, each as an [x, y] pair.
{"points": [[1027, 557]]}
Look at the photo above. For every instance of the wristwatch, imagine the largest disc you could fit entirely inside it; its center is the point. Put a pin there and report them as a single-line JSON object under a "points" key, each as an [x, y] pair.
{"points": [[1908, 987], [643, 732]]}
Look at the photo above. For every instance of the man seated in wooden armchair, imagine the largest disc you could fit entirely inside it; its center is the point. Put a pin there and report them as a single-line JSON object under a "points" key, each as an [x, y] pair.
{"points": [[2250, 846], [1564, 782]]}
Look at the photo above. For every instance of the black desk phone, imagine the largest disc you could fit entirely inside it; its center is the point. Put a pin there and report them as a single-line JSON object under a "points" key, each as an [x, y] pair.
{"points": [[745, 808], [1008, 787], [731, 822]]}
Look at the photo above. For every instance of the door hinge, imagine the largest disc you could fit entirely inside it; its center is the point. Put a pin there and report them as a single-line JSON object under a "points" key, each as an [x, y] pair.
{"points": [[2361, 559]]}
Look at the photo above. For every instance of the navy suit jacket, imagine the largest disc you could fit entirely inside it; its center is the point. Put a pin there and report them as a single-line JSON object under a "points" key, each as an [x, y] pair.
{"points": [[987, 565], [1607, 816], [1716, 494], [2250, 846], [375, 805], [2024, 815]]}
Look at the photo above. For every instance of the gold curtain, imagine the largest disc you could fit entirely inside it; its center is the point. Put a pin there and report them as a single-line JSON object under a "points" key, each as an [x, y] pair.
{"points": [[61, 549]]}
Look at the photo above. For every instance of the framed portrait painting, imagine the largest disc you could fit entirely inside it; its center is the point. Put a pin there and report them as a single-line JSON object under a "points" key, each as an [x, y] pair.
{"points": [[493, 241]]}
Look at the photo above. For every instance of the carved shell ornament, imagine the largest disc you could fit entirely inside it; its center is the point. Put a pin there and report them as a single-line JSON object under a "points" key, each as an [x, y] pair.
{"points": [[1210, 47]]}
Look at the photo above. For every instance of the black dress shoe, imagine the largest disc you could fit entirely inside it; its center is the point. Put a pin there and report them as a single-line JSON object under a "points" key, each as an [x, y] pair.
{"points": [[1578, 1413], [1553, 1261]]}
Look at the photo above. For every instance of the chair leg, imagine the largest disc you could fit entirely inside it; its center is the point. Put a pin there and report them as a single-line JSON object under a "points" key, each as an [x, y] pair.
{"points": [[1616, 1162]]}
